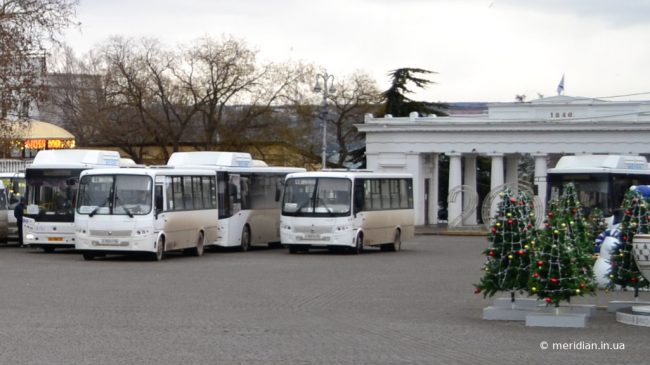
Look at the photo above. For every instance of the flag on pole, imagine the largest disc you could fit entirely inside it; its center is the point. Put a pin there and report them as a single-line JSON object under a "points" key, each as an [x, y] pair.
{"points": [[560, 86]]}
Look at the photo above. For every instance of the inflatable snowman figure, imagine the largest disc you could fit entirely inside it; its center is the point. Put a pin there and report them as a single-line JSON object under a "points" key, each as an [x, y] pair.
{"points": [[603, 264]]}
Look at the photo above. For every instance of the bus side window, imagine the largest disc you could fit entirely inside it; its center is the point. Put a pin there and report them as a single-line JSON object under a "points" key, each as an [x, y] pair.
{"points": [[158, 199], [359, 195]]}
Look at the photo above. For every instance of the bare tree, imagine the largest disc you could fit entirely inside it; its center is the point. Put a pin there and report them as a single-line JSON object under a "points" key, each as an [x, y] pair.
{"points": [[356, 96], [27, 28]]}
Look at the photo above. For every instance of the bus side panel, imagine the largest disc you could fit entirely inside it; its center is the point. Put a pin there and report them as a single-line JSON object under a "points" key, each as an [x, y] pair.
{"points": [[182, 227], [265, 225], [379, 226]]}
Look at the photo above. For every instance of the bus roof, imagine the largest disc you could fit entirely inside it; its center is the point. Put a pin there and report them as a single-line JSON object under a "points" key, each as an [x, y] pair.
{"points": [[149, 171], [350, 175], [73, 158], [211, 158], [602, 164]]}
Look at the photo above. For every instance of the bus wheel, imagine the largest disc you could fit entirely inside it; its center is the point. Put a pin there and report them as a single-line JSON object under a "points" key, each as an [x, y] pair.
{"points": [[200, 248], [358, 245], [88, 256], [293, 249], [245, 239], [397, 242], [48, 249], [160, 250]]}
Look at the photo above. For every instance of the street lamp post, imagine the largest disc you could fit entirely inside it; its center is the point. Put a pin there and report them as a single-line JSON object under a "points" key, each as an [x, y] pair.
{"points": [[327, 89]]}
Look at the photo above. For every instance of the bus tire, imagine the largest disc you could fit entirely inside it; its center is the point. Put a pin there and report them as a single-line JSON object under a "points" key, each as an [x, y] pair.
{"points": [[88, 256], [293, 249], [358, 245], [48, 249], [245, 239], [200, 246], [160, 250], [397, 242]]}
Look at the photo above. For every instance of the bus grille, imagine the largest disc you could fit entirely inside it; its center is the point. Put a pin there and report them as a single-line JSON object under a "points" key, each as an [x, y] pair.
{"points": [[312, 229], [108, 233]]}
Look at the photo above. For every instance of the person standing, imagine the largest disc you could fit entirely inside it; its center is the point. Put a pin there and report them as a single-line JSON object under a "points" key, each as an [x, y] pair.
{"points": [[19, 210]]}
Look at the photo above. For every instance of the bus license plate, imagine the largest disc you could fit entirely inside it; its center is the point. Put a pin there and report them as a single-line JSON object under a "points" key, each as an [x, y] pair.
{"points": [[313, 236], [55, 239], [110, 241]]}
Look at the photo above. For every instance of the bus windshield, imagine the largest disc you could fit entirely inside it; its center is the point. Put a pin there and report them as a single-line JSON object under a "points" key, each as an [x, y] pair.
{"points": [[596, 190], [52, 193], [320, 197], [115, 194]]}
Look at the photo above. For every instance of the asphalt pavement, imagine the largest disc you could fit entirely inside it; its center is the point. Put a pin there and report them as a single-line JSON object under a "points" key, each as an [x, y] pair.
{"points": [[265, 306]]}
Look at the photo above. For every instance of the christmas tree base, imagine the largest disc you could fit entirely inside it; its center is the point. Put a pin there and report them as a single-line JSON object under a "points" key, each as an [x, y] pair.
{"points": [[557, 319], [519, 303], [587, 309], [616, 305], [637, 315], [498, 313]]}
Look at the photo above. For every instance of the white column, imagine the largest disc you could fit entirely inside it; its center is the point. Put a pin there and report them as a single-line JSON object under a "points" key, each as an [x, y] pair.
{"points": [[433, 189], [415, 166], [512, 169], [469, 179], [454, 209], [540, 178], [496, 178]]}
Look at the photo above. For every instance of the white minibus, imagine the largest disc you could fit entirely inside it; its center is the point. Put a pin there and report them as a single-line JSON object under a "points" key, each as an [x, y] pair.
{"points": [[351, 209], [249, 192], [51, 191], [14, 183], [152, 210]]}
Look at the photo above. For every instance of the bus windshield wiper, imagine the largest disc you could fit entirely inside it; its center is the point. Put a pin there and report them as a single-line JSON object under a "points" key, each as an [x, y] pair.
{"points": [[128, 212], [99, 206]]}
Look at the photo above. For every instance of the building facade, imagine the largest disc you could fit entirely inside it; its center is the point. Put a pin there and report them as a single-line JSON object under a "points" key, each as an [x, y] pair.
{"points": [[545, 129]]}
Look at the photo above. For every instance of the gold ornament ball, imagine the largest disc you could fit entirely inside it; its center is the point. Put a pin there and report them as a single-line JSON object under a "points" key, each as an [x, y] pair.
{"points": [[533, 289], [577, 291], [510, 257]]}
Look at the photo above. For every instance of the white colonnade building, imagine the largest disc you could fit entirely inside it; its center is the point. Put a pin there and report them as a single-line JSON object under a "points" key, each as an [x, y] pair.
{"points": [[545, 129]]}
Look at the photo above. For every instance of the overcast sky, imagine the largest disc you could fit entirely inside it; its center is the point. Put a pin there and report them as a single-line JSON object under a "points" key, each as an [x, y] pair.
{"points": [[483, 50]]}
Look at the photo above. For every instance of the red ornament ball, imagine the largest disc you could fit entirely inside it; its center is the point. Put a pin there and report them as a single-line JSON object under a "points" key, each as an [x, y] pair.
{"points": [[554, 280], [521, 252], [536, 275], [540, 263], [512, 200], [491, 253], [548, 300], [477, 290]]}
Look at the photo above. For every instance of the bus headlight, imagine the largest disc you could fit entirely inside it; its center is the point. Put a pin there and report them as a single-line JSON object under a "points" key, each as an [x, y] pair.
{"points": [[343, 228], [30, 236], [285, 227]]}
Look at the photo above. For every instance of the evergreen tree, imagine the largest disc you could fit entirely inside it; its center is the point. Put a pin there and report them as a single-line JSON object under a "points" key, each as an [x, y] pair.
{"points": [[636, 219], [398, 104], [598, 226], [507, 267], [563, 264]]}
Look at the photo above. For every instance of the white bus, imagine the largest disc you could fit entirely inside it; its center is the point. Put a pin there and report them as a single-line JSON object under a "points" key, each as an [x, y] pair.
{"points": [[151, 210], [3, 213], [51, 191], [14, 183], [600, 180], [249, 192], [352, 209]]}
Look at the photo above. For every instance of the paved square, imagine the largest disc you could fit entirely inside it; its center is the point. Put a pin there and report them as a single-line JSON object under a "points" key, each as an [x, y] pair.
{"points": [[265, 306]]}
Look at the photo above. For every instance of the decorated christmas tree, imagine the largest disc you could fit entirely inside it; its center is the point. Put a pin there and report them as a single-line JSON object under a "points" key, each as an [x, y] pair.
{"points": [[563, 264], [598, 226], [636, 219], [511, 238]]}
